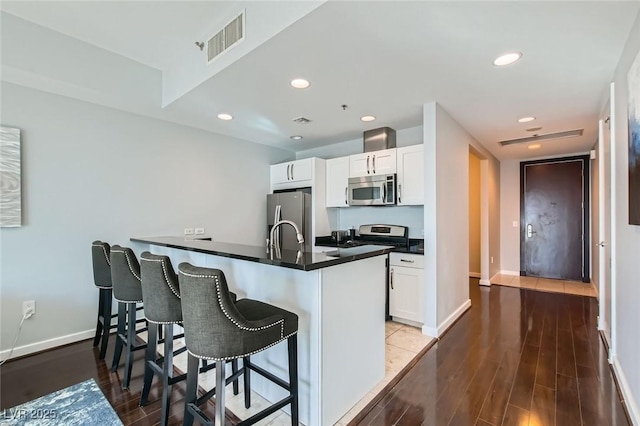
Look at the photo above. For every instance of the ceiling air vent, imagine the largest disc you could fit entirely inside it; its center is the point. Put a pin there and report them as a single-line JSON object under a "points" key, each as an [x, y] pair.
{"points": [[226, 38], [302, 120], [559, 135]]}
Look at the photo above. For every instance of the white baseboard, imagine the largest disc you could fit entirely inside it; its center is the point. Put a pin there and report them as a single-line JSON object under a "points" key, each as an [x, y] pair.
{"points": [[486, 283], [474, 274], [444, 325], [48, 344], [625, 390], [516, 273]]}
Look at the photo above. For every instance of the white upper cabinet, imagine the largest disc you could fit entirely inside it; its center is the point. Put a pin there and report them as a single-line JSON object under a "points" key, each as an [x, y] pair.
{"points": [[337, 182], [410, 164], [373, 163], [292, 174]]}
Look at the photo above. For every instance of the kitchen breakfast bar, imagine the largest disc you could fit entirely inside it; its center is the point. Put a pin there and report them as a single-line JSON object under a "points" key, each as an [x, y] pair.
{"points": [[339, 297]]}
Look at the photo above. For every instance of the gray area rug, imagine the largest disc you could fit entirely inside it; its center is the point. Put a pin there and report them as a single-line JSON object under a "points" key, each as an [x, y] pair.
{"points": [[81, 404]]}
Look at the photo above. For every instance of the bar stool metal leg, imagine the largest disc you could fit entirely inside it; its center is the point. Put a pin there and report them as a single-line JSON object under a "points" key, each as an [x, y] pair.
{"points": [[220, 385], [292, 344], [122, 318], [106, 318], [152, 345], [99, 326], [167, 365], [131, 340], [191, 395], [247, 382]]}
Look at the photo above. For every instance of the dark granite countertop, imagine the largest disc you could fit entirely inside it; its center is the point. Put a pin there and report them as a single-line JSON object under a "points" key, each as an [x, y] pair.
{"points": [[306, 261], [416, 246]]}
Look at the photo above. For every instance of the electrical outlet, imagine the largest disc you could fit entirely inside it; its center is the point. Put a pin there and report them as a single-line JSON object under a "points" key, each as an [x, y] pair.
{"points": [[188, 231], [491, 259], [28, 308], [514, 224], [199, 231]]}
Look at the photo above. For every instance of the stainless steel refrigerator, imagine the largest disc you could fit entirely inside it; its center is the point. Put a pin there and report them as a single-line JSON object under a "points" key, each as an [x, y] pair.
{"points": [[296, 207]]}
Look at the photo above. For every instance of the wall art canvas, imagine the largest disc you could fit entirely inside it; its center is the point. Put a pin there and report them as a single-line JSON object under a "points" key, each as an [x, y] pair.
{"points": [[10, 194], [633, 81]]}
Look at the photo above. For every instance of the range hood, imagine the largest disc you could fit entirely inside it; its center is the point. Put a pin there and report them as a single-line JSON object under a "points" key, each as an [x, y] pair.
{"points": [[378, 139]]}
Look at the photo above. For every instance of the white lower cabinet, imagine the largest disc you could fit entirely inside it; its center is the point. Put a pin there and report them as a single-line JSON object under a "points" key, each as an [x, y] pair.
{"points": [[406, 273]]}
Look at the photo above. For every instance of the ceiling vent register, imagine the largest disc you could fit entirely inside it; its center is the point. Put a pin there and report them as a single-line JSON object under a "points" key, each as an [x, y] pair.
{"points": [[558, 135], [226, 38]]}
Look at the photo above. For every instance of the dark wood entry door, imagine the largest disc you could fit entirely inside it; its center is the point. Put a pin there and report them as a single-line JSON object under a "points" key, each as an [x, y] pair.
{"points": [[553, 219]]}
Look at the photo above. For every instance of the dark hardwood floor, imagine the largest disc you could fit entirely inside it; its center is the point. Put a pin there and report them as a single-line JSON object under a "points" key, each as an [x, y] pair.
{"points": [[516, 357]]}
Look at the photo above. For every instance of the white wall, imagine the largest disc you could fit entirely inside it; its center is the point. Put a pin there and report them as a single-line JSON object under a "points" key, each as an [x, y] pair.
{"points": [[509, 213], [91, 172], [446, 218], [627, 242]]}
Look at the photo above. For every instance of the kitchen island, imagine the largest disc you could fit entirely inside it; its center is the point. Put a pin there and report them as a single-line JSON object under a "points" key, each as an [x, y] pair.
{"points": [[339, 297]]}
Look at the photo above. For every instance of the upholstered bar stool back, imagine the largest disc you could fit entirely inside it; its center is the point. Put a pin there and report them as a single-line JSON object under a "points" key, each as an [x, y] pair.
{"points": [[127, 291], [217, 329], [100, 252], [162, 308], [125, 274]]}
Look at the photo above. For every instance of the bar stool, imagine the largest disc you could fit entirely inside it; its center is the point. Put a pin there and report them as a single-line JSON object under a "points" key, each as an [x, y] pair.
{"points": [[100, 252], [161, 296], [127, 291], [217, 329]]}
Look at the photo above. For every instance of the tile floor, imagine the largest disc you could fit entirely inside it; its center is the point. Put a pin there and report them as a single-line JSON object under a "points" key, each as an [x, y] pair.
{"points": [[546, 284], [403, 343]]}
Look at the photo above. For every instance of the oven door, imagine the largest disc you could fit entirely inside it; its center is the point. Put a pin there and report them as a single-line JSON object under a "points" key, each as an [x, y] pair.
{"points": [[372, 190]]}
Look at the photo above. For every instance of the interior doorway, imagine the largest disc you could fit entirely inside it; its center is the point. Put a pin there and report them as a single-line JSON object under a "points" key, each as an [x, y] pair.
{"points": [[554, 234], [474, 216], [478, 216]]}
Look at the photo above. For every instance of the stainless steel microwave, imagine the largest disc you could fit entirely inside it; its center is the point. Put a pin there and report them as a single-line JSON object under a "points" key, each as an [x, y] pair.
{"points": [[376, 190]]}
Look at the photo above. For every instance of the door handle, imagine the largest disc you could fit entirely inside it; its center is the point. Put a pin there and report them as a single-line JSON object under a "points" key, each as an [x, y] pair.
{"points": [[374, 164], [288, 175], [384, 193], [292, 171], [408, 261], [601, 244], [530, 231], [368, 164], [400, 193], [391, 279], [346, 188]]}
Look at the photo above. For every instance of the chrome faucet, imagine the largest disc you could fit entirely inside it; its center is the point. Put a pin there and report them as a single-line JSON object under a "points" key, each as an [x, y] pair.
{"points": [[299, 235]]}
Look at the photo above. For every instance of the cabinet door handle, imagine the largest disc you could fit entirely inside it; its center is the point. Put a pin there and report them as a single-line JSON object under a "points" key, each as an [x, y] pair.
{"points": [[292, 171], [391, 279], [367, 164], [407, 260], [288, 167], [346, 189], [374, 164], [400, 193]]}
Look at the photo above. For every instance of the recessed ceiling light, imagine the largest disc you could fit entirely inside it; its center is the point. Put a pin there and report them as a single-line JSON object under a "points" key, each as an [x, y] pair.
{"points": [[534, 146], [367, 118], [225, 116], [296, 137], [525, 119], [507, 58], [300, 83]]}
